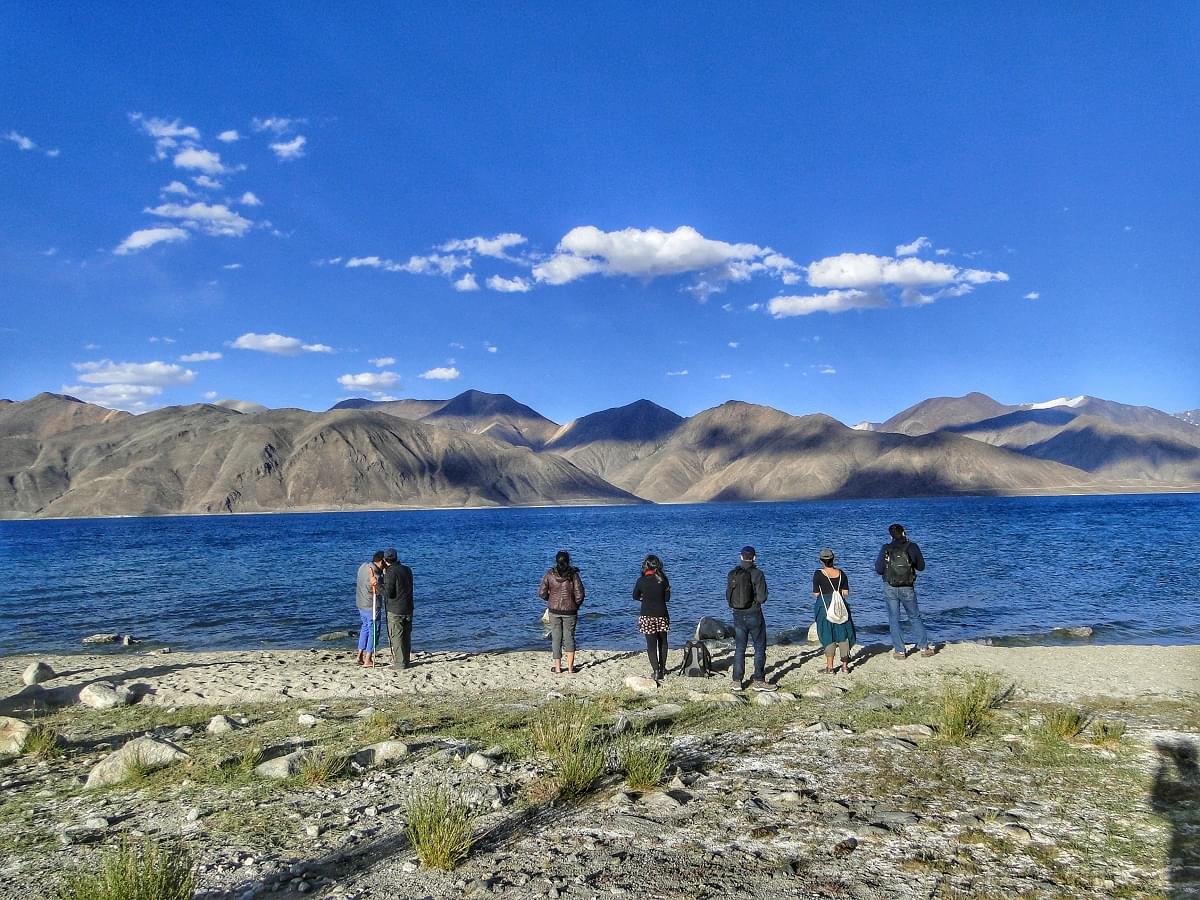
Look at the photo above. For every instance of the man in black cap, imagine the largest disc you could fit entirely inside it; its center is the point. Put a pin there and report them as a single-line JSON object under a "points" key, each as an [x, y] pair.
{"points": [[746, 592], [898, 563], [398, 603]]}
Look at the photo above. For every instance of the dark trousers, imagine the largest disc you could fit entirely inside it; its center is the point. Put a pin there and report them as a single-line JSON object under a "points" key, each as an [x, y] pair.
{"points": [[400, 633], [656, 649], [749, 626]]}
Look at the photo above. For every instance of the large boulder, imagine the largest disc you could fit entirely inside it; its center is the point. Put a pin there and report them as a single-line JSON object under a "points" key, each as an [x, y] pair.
{"points": [[219, 724], [710, 629], [37, 672], [383, 752], [640, 684], [147, 752], [104, 638], [104, 695], [281, 766], [12, 734]]}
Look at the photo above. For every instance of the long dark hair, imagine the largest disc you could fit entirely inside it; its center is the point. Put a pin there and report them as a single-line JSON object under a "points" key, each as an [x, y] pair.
{"points": [[654, 566], [562, 564]]}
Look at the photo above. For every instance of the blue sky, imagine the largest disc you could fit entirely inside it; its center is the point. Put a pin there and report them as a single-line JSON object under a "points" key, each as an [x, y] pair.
{"points": [[835, 208]]}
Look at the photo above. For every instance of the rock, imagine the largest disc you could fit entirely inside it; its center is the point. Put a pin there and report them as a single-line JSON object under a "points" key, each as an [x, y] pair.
{"points": [[666, 801], [640, 684], [878, 702], [893, 817], [817, 728], [912, 732], [845, 847], [182, 733], [664, 712], [128, 640], [1018, 833], [333, 636], [308, 720], [104, 695], [12, 734], [193, 814], [281, 766], [383, 752], [762, 698], [710, 629], [220, 725], [313, 831], [365, 713], [1078, 633], [101, 639], [149, 752], [478, 761], [90, 829], [896, 743], [825, 691], [813, 637], [37, 672]]}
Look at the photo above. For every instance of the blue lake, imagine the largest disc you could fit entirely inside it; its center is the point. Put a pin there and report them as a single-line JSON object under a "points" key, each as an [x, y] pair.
{"points": [[1006, 568]]}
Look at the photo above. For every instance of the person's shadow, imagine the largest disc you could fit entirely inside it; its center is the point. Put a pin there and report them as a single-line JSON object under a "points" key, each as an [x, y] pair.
{"points": [[1176, 797]]}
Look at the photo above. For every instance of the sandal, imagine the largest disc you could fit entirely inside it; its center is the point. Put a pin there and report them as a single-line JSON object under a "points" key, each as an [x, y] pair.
{"points": [[845, 669], [928, 651]]}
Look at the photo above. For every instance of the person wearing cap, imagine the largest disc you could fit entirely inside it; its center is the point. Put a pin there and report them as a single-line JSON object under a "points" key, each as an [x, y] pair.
{"points": [[366, 594], [562, 589], [398, 605], [749, 624], [829, 581], [898, 563]]}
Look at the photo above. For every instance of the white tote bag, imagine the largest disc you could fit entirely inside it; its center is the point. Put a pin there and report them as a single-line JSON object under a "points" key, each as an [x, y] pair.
{"points": [[836, 611]]}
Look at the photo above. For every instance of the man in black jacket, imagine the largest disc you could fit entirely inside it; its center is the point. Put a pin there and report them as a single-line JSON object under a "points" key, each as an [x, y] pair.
{"points": [[898, 563], [746, 592], [398, 602]]}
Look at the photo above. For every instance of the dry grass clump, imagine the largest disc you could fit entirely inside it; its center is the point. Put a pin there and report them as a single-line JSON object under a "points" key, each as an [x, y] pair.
{"points": [[379, 726], [578, 767], [1063, 723], [145, 872], [42, 742], [967, 708], [322, 765], [1107, 733], [440, 827], [561, 724], [644, 762], [138, 768]]}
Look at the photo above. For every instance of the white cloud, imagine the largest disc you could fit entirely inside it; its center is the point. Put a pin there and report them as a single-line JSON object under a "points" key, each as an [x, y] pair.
{"points": [[176, 187], [825, 369], [382, 362], [1033, 295], [735, 344], [20, 140], [416, 265], [277, 343], [942, 251], [921, 243], [517, 285], [371, 262], [167, 133], [156, 373], [371, 380], [275, 124], [466, 283], [130, 397], [496, 247], [724, 376], [489, 347], [206, 161], [653, 253], [165, 340], [832, 302], [211, 395], [680, 372], [216, 219], [754, 307], [207, 182], [148, 237], [202, 356], [456, 345], [864, 270], [53, 152], [250, 199], [232, 266], [228, 137], [50, 251], [442, 373], [288, 150]]}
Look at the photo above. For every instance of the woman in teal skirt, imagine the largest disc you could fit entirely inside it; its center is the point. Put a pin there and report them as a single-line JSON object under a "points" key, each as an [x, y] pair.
{"points": [[834, 636]]}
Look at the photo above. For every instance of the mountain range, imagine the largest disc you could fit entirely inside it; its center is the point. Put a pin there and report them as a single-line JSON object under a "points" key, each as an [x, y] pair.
{"points": [[62, 457]]}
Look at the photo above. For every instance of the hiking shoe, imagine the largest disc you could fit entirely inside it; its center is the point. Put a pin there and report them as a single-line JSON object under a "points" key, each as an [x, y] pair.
{"points": [[928, 651], [736, 684], [899, 655], [765, 686]]}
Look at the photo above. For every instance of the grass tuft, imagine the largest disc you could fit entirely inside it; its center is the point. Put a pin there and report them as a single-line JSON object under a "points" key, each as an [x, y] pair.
{"points": [[578, 767], [1063, 723], [1107, 733], [137, 769], [644, 762], [378, 726], [440, 827], [239, 767], [560, 726], [967, 708], [147, 872], [42, 742], [322, 765]]}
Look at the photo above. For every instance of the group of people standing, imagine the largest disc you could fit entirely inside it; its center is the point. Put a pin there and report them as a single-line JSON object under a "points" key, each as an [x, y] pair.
{"points": [[384, 597]]}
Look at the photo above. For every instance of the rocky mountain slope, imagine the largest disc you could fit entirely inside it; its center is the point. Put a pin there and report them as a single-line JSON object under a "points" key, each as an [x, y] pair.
{"points": [[203, 459], [607, 442]]}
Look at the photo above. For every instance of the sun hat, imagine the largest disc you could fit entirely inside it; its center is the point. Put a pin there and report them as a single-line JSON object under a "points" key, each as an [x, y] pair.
{"points": [[827, 555]]}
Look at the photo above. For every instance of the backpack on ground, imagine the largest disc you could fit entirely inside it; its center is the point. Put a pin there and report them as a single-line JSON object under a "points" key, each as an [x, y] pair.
{"points": [[898, 568], [697, 661], [739, 590]]}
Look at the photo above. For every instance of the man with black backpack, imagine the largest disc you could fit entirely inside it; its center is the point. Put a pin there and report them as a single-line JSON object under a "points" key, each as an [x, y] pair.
{"points": [[746, 592], [898, 563]]}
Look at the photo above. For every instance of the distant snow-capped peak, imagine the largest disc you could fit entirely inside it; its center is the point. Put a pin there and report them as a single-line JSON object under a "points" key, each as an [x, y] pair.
{"points": [[1061, 401]]}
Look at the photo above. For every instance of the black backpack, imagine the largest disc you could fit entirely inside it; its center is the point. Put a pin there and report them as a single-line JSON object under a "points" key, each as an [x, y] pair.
{"points": [[739, 590], [697, 661], [898, 568]]}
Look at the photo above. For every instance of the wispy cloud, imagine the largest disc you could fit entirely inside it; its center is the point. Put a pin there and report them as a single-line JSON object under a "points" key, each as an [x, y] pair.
{"points": [[489, 347], [157, 373], [382, 362], [176, 187], [734, 344], [678, 373], [202, 356], [370, 380], [831, 302], [1033, 295], [278, 344], [724, 376], [276, 124], [466, 283], [921, 243], [215, 219], [289, 150], [249, 198], [148, 237], [206, 161], [442, 373], [131, 397], [517, 285], [22, 142], [496, 247], [231, 266], [229, 137]]}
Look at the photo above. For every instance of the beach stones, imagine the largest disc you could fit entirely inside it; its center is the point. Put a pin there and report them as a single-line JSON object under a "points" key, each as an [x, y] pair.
{"points": [[220, 725], [640, 684], [83, 832], [380, 753], [281, 766], [12, 734], [913, 732], [104, 695], [147, 752], [103, 638], [37, 672], [661, 714], [308, 720]]}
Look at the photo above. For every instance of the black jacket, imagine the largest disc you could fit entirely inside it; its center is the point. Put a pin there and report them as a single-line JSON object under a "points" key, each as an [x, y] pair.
{"points": [[654, 594], [398, 590], [758, 584], [909, 547]]}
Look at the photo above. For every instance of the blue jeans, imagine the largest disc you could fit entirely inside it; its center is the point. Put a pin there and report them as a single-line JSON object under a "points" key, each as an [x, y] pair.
{"points": [[907, 596], [749, 625], [366, 633]]}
